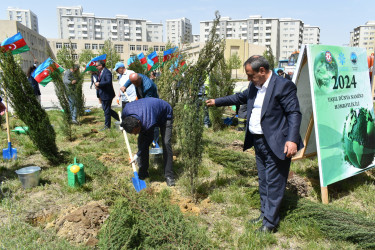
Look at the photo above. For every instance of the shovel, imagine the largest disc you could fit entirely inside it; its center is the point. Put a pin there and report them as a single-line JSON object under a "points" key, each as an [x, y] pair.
{"points": [[8, 153], [137, 183], [228, 121]]}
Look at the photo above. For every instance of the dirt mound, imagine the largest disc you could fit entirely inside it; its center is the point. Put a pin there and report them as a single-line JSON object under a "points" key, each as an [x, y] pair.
{"points": [[82, 224], [299, 185]]}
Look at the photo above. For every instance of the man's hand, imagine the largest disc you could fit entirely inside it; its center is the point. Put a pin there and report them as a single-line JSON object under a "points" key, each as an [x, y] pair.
{"points": [[123, 89], [210, 102], [2, 108], [290, 149], [97, 84], [135, 157]]}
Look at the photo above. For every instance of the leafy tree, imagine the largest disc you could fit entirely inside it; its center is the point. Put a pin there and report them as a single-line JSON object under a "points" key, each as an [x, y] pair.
{"points": [[112, 56], [85, 56], [234, 62], [21, 96], [136, 66], [268, 54]]}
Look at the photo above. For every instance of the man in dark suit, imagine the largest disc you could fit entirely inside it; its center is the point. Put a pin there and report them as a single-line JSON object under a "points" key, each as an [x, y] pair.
{"points": [[273, 123], [106, 93]]}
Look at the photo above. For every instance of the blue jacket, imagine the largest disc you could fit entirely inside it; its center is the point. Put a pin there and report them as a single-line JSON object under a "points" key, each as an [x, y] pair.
{"points": [[149, 88], [280, 115], [106, 92], [151, 112], [34, 84]]}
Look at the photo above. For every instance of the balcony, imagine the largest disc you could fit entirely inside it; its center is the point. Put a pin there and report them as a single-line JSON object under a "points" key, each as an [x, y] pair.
{"points": [[72, 35], [84, 35], [97, 30], [127, 37], [84, 23], [71, 28], [138, 31], [138, 25], [70, 22], [113, 31], [98, 35], [114, 37], [98, 24], [84, 28]]}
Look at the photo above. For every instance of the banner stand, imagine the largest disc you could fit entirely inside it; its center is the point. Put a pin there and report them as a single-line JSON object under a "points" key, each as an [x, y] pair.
{"points": [[302, 153], [324, 191]]}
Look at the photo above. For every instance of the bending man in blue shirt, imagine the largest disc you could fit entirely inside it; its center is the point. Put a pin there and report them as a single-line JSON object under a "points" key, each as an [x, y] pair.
{"points": [[141, 117], [144, 86]]}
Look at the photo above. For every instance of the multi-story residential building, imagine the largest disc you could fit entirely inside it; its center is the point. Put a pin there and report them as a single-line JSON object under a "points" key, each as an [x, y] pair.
{"points": [[364, 36], [26, 17], [255, 29], [196, 38], [73, 23], [311, 34], [291, 36], [179, 31], [38, 44]]}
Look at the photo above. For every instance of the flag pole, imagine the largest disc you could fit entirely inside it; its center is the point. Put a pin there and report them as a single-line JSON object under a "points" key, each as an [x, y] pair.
{"points": [[32, 54]]}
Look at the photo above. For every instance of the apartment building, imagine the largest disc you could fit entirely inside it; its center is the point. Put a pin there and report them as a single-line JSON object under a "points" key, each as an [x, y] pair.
{"points": [[364, 36], [73, 23], [291, 36], [179, 31], [311, 34], [26, 17], [196, 38], [255, 29], [38, 44]]}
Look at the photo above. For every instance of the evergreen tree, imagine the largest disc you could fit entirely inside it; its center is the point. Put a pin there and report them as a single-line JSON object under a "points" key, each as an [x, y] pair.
{"points": [[85, 56], [21, 97], [268, 54], [234, 62]]}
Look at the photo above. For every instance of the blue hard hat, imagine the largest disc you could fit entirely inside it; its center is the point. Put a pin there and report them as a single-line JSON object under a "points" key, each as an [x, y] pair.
{"points": [[119, 65]]}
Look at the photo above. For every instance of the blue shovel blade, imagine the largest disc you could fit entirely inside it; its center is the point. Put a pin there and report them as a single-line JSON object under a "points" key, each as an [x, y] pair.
{"points": [[138, 183], [9, 153]]}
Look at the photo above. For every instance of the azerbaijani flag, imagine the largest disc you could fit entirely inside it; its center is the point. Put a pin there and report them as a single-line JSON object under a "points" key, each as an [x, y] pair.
{"points": [[131, 60], [91, 66], [42, 73], [142, 58], [178, 64], [16, 44], [152, 61], [168, 54]]}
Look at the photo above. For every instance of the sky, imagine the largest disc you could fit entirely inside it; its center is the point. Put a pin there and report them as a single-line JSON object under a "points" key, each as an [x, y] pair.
{"points": [[335, 18]]}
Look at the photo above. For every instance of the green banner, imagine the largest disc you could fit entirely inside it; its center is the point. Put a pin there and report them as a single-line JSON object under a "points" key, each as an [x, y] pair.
{"points": [[343, 111]]}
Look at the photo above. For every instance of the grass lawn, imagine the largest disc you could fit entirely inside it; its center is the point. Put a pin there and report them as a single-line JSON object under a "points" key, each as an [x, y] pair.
{"points": [[42, 217]]}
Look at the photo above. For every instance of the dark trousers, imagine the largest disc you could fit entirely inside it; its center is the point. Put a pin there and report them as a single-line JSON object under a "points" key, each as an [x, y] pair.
{"points": [[273, 175], [123, 104], [144, 142], [108, 112]]}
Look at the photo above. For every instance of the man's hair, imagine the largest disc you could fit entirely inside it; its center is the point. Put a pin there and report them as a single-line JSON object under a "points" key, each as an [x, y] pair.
{"points": [[129, 123], [75, 66], [280, 71], [30, 70], [101, 62], [256, 62]]}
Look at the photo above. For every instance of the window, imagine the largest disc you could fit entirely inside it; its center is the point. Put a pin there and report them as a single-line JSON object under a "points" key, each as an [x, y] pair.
{"points": [[66, 45], [132, 47], [75, 56], [101, 46], [68, 12], [156, 48], [94, 46], [74, 45], [162, 48], [119, 48], [139, 47], [58, 45], [145, 47], [87, 46]]}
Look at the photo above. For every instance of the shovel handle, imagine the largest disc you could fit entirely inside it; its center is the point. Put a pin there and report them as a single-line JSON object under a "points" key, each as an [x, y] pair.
{"points": [[127, 96], [7, 115], [127, 144]]}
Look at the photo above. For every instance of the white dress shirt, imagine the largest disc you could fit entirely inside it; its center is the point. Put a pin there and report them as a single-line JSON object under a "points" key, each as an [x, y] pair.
{"points": [[130, 90], [254, 123]]}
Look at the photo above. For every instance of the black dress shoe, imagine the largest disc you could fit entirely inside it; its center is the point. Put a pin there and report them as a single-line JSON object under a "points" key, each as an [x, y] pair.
{"points": [[265, 229], [143, 176], [170, 181], [256, 220]]}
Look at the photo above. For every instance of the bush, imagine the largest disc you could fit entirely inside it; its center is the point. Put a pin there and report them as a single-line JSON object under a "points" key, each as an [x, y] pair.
{"points": [[148, 221]]}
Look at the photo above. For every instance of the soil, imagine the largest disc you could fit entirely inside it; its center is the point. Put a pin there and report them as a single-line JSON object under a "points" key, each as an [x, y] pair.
{"points": [[299, 185], [81, 225], [186, 205]]}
